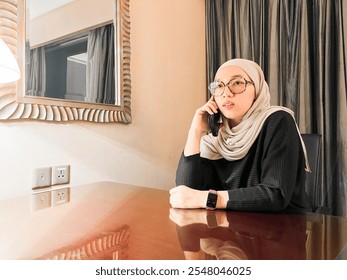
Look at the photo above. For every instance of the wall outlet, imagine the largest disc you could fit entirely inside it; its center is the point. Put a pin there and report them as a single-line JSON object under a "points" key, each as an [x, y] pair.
{"points": [[60, 196], [40, 200], [60, 174], [42, 177]]}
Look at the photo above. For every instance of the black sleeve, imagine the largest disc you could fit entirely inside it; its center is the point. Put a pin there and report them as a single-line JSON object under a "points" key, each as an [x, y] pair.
{"points": [[282, 168], [195, 172]]}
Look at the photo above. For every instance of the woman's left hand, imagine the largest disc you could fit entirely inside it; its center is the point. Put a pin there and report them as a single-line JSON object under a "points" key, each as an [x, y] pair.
{"points": [[185, 197]]}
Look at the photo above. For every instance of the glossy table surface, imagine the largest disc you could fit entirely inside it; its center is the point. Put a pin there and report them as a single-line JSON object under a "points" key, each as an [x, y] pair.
{"points": [[109, 220]]}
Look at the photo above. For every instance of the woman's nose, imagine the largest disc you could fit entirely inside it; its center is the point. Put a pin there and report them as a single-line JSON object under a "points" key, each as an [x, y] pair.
{"points": [[227, 92]]}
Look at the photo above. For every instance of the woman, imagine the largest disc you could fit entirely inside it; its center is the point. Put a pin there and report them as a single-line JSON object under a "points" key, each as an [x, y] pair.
{"points": [[257, 160]]}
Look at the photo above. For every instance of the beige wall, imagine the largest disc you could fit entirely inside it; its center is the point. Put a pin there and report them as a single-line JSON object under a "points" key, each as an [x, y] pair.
{"points": [[168, 83], [60, 22]]}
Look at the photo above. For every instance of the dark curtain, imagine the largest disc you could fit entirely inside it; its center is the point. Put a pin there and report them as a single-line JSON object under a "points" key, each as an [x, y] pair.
{"points": [[36, 81], [300, 46], [100, 66]]}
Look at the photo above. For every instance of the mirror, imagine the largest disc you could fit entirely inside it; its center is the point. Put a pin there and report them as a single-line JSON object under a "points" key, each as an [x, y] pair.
{"points": [[52, 93]]}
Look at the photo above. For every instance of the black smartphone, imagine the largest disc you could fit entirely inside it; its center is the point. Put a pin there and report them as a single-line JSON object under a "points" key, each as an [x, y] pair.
{"points": [[213, 122]]}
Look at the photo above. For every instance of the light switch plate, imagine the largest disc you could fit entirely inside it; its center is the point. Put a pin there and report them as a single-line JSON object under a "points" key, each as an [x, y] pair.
{"points": [[42, 177]]}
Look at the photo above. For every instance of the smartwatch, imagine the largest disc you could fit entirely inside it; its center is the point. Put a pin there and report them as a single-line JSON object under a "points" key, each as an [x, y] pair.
{"points": [[211, 200]]}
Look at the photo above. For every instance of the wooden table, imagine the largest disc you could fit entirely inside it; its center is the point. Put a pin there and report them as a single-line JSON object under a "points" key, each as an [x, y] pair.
{"points": [[109, 220]]}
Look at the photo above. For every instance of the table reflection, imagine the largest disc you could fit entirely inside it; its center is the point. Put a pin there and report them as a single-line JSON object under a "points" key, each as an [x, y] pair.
{"points": [[106, 246], [225, 235]]}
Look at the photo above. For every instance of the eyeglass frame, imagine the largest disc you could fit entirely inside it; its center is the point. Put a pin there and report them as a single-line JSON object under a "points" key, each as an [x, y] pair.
{"points": [[228, 84]]}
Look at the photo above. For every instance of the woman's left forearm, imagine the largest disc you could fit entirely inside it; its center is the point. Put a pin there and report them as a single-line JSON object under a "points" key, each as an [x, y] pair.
{"points": [[223, 197], [185, 197]]}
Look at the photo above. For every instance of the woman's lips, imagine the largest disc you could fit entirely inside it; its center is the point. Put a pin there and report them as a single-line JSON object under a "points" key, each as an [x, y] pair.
{"points": [[228, 105]]}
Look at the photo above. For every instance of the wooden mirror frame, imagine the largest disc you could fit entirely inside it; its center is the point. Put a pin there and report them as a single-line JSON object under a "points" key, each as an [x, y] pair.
{"points": [[15, 105]]}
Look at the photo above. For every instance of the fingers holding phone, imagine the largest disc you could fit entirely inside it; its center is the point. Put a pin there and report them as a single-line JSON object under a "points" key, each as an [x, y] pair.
{"points": [[204, 115], [210, 107], [200, 126]]}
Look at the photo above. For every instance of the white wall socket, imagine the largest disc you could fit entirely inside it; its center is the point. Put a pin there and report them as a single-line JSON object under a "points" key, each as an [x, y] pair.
{"points": [[60, 196], [40, 200], [60, 174], [42, 177]]}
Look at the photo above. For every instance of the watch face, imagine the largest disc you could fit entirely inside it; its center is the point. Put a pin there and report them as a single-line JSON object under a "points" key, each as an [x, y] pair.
{"points": [[211, 200]]}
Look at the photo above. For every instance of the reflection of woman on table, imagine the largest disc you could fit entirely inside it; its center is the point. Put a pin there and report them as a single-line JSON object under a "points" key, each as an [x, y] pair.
{"points": [[256, 161], [222, 250], [240, 235]]}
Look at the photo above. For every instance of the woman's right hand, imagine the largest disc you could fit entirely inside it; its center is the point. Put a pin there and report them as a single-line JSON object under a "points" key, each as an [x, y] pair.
{"points": [[199, 127], [200, 123]]}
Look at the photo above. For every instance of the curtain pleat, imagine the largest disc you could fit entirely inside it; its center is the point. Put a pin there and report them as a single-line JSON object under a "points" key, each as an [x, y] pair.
{"points": [[100, 66], [36, 81], [300, 46]]}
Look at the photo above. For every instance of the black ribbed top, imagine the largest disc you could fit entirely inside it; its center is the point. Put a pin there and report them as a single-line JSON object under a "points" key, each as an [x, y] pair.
{"points": [[271, 177]]}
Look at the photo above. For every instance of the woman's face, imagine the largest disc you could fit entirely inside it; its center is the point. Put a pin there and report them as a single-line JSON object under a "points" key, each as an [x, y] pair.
{"points": [[234, 106]]}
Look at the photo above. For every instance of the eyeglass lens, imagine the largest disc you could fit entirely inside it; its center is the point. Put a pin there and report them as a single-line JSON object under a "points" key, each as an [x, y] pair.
{"points": [[236, 86]]}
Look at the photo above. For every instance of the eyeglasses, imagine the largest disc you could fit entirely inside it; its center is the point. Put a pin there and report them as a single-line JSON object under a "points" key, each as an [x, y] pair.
{"points": [[236, 86]]}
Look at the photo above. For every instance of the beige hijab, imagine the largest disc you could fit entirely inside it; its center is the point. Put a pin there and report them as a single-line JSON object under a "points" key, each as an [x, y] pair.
{"points": [[233, 143]]}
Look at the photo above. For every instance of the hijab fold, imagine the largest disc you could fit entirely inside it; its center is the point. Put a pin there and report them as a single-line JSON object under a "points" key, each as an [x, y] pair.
{"points": [[233, 143]]}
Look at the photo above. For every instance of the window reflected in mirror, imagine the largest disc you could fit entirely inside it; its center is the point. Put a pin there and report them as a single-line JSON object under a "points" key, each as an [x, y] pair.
{"points": [[79, 66]]}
